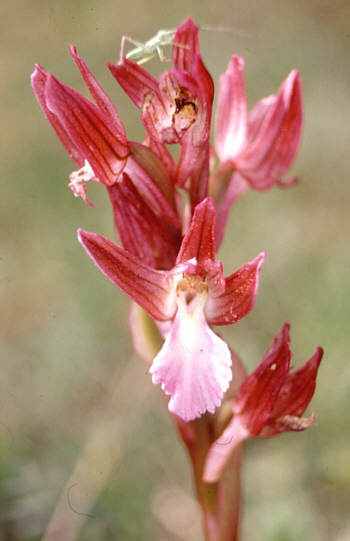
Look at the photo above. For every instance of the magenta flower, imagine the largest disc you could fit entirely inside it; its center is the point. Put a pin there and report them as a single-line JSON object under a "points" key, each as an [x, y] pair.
{"points": [[177, 107], [256, 149], [137, 179], [93, 135], [270, 401], [179, 103], [261, 145], [193, 366]]}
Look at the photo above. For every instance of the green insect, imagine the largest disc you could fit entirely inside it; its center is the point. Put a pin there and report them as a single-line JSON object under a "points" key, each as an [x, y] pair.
{"points": [[148, 50], [143, 52]]}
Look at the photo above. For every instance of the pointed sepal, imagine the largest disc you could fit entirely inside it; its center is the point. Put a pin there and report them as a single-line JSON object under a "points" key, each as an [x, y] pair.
{"points": [[199, 241], [229, 305], [148, 287], [231, 114], [269, 401]]}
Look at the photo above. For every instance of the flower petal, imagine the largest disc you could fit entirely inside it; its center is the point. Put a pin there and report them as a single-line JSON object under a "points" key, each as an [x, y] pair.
{"points": [[193, 365], [273, 135], [163, 154], [193, 164], [99, 95], [38, 80], [152, 182], [268, 402], [225, 308], [257, 395], [298, 388], [134, 80], [185, 45], [92, 130], [142, 233], [148, 287], [186, 57], [231, 114], [199, 241]]}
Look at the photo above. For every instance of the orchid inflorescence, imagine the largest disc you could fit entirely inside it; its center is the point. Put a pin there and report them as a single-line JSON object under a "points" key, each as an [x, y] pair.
{"points": [[170, 217]]}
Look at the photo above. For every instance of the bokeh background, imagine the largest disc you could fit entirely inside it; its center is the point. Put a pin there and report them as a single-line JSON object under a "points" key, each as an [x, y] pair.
{"points": [[84, 436]]}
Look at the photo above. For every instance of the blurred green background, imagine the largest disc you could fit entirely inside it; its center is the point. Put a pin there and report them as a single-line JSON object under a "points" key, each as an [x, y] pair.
{"points": [[82, 429]]}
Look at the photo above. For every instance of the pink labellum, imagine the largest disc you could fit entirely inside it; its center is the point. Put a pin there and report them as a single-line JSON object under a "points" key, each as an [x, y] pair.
{"points": [[193, 366]]}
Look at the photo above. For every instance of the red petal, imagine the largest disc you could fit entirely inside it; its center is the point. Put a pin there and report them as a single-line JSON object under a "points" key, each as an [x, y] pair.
{"points": [[39, 80], [231, 114], [258, 394], [193, 164], [146, 286], [93, 132], [298, 389], [186, 57], [99, 95], [141, 232], [199, 241], [199, 176], [239, 295], [134, 80], [152, 182], [185, 45], [163, 154], [274, 135]]}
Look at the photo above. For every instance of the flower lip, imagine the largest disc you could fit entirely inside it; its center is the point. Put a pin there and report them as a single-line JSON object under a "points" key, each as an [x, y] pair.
{"points": [[193, 366]]}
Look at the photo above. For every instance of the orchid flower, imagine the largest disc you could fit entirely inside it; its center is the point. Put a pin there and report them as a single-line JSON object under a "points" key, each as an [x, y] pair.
{"points": [[255, 149], [177, 107], [95, 139], [93, 135], [193, 366], [270, 401]]}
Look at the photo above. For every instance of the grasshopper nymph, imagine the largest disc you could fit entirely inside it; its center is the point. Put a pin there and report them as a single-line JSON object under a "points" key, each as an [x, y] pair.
{"points": [[143, 52], [148, 50]]}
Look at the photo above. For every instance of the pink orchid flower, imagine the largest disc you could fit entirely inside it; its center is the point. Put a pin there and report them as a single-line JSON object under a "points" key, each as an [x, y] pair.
{"points": [[93, 135], [255, 149], [177, 107], [193, 366], [179, 102], [270, 401], [137, 178]]}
